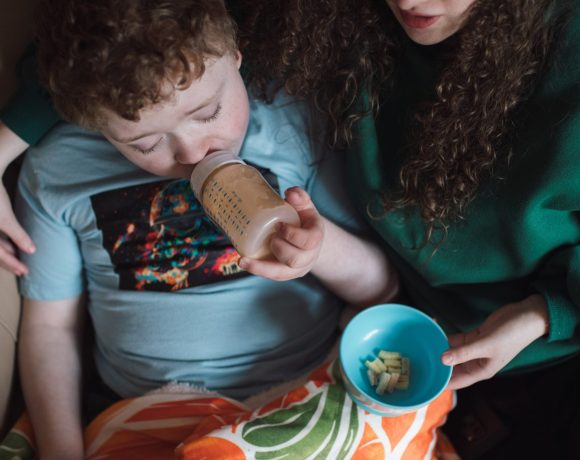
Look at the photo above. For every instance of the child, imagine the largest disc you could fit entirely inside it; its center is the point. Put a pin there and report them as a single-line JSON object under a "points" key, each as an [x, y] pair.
{"points": [[160, 82]]}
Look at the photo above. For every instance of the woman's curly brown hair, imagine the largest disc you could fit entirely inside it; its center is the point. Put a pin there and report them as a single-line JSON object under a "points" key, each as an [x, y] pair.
{"points": [[321, 50], [326, 50], [126, 55]]}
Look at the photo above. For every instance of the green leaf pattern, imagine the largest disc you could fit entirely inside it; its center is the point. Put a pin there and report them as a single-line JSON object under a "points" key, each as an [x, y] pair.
{"points": [[16, 446], [325, 425]]}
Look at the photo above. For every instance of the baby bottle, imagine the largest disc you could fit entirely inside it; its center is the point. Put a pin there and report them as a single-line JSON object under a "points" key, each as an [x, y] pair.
{"points": [[240, 201]]}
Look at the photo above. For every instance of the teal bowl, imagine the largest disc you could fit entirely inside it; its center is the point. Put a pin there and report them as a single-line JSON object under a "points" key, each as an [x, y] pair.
{"points": [[394, 327]]}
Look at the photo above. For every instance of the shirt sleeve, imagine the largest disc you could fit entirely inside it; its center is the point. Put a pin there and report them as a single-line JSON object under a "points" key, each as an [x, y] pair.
{"points": [[562, 298], [327, 188], [29, 113], [56, 268]]}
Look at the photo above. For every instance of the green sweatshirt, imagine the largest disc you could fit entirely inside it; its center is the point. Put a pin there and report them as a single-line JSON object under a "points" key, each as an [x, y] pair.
{"points": [[519, 236], [29, 113]]}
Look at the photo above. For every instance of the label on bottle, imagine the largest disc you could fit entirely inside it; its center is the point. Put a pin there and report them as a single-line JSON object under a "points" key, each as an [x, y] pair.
{"points": [[224, 206], [239, 200]]}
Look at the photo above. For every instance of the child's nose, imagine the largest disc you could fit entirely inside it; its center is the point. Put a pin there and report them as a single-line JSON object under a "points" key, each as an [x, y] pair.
{"points": [[190, 152]]}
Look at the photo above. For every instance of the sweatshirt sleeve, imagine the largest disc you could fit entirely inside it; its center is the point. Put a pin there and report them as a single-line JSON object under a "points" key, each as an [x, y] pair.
{"points": [[558, 276], [563, 300], [559, 279], [29, 113]]}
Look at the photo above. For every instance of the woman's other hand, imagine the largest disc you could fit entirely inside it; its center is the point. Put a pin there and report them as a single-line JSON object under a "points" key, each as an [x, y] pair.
{"points": [[481, 353], [11, 233]]}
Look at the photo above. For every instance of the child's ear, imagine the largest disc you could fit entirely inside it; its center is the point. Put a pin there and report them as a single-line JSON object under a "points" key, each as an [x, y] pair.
{"points": [[238, 55]]}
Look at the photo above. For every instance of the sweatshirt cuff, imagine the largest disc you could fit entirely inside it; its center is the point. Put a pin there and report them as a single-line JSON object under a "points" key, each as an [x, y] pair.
{"points": [[563, 314]]}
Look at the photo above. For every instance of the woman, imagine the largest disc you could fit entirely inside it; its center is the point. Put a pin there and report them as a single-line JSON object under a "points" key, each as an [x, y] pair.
{"points": [[461, 121]]}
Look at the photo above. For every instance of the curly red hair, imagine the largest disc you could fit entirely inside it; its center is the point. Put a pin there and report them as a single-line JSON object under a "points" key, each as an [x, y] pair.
{"points": [[120, 55]]}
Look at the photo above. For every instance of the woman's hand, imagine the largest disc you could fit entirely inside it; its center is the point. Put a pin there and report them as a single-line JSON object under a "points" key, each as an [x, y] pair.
{"points": [[295, 249], [12, 232], [480, 354]]}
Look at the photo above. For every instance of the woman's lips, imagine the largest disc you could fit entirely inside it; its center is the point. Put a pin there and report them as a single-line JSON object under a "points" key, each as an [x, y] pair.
{"points": [[417, 22]]}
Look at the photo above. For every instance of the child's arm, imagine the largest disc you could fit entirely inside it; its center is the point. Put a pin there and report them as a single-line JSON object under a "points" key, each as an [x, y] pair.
{"points": [[353, 268], [50, 370], [10, 147]]}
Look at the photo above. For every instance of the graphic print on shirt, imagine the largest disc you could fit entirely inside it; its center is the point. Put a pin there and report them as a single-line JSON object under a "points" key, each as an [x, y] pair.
{"points": [[159, 238]]}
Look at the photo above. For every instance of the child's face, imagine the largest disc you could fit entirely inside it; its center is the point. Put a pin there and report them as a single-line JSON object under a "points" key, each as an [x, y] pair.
{"points": [[171, 137], [428, 22]]}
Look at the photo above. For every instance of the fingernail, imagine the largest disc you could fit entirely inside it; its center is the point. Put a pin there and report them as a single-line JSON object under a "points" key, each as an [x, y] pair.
{"points": [[31, 249], [242, 263], [293, 191], [447, 358]]}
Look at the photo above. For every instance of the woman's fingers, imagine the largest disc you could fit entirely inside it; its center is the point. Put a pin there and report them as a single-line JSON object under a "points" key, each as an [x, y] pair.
{"points": [[467, 355], [464, 347], [10, 226], [8, 259], [14, 231], [474, 356], [12, 234], [470, 372]]}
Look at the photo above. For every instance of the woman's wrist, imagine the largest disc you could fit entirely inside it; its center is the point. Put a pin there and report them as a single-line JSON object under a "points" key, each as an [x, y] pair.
{"points": [[12, 146], [536, 307]]}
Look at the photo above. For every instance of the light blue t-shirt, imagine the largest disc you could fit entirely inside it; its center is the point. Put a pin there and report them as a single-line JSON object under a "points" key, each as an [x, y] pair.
{"points": [[167, 300]]}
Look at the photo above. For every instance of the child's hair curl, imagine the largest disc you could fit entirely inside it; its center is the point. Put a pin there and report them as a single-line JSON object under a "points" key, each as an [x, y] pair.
{"points": [[126, 55]]}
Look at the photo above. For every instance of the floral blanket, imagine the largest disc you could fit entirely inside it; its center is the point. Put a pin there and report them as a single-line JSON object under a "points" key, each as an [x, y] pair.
{"points": [[316, 420]]}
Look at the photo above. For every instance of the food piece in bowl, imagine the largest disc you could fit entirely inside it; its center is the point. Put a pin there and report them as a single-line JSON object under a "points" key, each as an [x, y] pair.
{"points": [[405, 366], [389, 372], [392, 363], [403, 383], [377, 366], [393, 382], [383, 385], [373, 377], [389, 355]]}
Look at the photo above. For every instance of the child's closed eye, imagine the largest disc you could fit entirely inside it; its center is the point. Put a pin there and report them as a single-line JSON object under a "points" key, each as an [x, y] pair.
{"points": [[146, 151], [213, 116]]}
